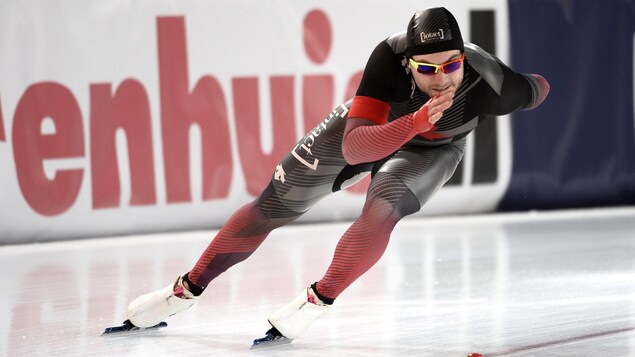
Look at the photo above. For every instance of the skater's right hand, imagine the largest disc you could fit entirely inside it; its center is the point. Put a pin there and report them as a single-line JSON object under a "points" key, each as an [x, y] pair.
{"points": [[424, 119]]}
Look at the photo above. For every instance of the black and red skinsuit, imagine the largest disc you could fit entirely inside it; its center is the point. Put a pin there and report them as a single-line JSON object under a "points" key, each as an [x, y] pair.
{"points": [[374, 132]]}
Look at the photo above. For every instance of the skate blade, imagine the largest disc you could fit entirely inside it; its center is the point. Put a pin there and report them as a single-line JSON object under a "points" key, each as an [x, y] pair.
{"points": [[270, 341], [129, 327]]}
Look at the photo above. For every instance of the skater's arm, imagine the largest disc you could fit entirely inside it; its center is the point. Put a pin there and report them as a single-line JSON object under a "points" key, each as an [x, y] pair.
{"points": [[366, 141], [539, 89], [368, 137]]}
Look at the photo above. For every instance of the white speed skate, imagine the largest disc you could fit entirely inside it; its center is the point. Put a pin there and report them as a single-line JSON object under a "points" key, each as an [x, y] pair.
{"points": [[150, 309], [292, 320]]}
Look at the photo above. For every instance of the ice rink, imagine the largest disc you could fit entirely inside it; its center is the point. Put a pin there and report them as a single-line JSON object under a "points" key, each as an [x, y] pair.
{"points": [[524, 284]]}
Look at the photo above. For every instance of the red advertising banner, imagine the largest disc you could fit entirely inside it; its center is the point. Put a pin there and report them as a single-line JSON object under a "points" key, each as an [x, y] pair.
{"points": [[168, 117]]}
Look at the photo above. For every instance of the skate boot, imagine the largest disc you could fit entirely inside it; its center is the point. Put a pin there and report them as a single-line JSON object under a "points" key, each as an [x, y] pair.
{"points": [[292, 320], [150, 309]]}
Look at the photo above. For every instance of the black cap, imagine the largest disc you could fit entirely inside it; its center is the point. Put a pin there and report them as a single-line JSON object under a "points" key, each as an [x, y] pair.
{"points": [[432, 30]]}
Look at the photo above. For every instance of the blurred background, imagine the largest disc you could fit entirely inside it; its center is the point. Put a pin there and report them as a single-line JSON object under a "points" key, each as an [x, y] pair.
{"points": [[127, 117]]}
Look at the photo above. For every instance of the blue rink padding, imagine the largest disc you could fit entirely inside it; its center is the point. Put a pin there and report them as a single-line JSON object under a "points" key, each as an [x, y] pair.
{"points": [[578, 148]]}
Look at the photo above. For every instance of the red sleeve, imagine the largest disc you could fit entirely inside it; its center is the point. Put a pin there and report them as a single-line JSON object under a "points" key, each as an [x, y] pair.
{"points": [[366, 141], [370, 109]]}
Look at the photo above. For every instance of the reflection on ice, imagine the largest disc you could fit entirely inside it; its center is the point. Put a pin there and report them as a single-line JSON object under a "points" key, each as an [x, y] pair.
{"points": [[552, 284]]}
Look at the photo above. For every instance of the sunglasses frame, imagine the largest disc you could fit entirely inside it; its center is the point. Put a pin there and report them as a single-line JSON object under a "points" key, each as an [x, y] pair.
{"points": [[437, 67]]}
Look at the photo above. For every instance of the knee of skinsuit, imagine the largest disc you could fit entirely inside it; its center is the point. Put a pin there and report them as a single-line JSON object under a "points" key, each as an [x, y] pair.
{"points": [[392, 190]]}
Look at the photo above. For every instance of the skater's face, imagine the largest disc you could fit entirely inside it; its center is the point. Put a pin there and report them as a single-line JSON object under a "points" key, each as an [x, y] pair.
{"points": [[436, 72]]}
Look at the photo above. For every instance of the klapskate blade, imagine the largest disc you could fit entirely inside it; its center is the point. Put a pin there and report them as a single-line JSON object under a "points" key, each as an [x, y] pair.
{"points": [[270, 341], [127, 326]]}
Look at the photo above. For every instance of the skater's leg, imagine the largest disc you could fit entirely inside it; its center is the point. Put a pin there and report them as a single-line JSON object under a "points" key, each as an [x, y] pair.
{"points": [[366, 239], [238, 239], [361, 246], [241, 236], [401, 187], [306, 180]]}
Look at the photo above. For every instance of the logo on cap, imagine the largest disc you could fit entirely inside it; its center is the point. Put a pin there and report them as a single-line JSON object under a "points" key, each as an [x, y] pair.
{"points": [[432, 36]]}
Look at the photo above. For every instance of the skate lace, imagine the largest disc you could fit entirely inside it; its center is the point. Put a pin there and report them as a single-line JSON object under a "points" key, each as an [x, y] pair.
{"points": [[313, 299], [179, 292]]}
